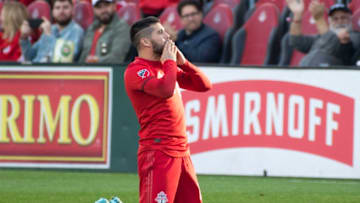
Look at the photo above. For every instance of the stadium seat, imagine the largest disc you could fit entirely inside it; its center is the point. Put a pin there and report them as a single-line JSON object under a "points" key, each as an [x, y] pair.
{"points": [[26, 2], [230, 3], [288, 55], [171, 16], [132, 1], [250, 43], [120, 4], [38, 9], [354, 5], [227, 46], [256, 3], [356, 20], [208, 5], [293, 57], [279, 3], [83, 14], [130, 13], [239, 13], [220, 18], [238, 21]]}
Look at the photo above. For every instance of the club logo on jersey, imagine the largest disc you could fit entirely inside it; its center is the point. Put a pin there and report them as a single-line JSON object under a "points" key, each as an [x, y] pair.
{"points": [[143, 73], [161, 197]]}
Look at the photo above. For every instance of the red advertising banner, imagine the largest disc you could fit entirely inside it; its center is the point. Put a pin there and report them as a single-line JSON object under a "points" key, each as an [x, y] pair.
{"points": [[55, 117], [271, 114]]}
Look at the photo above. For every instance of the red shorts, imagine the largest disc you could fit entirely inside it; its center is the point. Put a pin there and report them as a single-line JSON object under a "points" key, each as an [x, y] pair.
{"points": [[166, 179]]}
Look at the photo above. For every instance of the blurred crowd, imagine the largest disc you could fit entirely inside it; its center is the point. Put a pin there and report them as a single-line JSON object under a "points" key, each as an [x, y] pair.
{"points": [[308, 33]]}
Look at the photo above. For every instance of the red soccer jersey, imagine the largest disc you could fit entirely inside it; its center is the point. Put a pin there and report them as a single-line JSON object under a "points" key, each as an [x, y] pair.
{"points": [[162, 120], [10, 50]]}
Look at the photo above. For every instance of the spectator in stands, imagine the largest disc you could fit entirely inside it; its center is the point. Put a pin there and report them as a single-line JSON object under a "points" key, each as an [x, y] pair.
{"points": [[197, 41], [107, 40], [13, 15], [60, 42], [336, 42]]}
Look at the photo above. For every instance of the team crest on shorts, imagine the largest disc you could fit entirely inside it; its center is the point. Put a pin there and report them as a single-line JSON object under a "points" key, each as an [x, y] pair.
{"points": [[161, 197], [143, 73]]}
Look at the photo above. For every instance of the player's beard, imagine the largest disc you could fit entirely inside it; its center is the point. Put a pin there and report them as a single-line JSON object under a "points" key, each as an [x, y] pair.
{"points": [[337, 28], [157, 47], [106, 18], [63, 22]]}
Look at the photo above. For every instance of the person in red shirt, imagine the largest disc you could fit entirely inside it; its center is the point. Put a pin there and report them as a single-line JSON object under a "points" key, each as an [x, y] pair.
{"points": [[12, 16], [152, 83]]}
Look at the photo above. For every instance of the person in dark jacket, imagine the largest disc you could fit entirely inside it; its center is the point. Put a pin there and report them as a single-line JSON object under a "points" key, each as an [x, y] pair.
{"points": [[197, 41]]}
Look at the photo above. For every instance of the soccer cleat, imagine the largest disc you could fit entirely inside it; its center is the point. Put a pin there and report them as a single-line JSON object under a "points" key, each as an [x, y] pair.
{"points": [[115, 200], [102, 200]]}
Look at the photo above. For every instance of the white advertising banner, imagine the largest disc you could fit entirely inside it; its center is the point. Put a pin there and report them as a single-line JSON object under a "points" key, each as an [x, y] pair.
{"points": [[282, 122]]}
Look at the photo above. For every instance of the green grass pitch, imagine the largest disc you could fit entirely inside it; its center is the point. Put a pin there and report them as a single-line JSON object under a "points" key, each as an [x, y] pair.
{"points": [[44, 186]]}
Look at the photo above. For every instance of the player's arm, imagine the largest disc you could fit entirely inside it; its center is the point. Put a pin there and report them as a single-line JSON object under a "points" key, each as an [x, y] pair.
{"points": [[164, 87], [191, 77]]}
